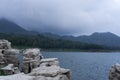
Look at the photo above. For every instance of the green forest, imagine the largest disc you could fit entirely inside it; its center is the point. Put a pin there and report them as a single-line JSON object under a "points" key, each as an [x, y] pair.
{"points": [[47, 43]]}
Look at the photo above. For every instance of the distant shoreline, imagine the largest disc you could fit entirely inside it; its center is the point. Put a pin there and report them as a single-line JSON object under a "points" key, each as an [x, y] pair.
{"points": [[68, 50], [52, 50]]}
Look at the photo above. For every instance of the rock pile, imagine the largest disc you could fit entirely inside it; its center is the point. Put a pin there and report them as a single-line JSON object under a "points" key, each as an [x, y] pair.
{"points": [[114, 73], [31, 62], [50, 70], [31, 59], [11, 56], [4, 44], [2, 60]]}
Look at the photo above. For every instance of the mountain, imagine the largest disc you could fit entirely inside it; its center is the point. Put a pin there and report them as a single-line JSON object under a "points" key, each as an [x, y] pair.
{"points": [[47, 43], [7, 26], [51, 35], [106, 39]]}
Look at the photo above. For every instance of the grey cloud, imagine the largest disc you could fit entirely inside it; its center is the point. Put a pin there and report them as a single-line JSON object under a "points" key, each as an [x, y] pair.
{"points": [[64, 16]]}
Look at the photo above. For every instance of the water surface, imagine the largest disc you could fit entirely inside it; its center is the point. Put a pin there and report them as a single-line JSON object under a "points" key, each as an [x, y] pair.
{"points": [[86, 65]]}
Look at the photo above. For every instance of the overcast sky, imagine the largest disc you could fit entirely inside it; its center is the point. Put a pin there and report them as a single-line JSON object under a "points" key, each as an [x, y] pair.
{"points": [[74, 17]]}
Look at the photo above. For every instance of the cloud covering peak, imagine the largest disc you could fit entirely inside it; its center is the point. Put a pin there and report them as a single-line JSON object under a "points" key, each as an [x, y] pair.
{"points": [[64, 16]]}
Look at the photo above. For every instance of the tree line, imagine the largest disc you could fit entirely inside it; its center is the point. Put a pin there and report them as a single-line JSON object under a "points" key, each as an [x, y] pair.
{"points": [[44, 42]]}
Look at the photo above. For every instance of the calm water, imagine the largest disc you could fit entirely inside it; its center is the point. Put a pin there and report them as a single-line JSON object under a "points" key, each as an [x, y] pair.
{"points": [[86, 65]]}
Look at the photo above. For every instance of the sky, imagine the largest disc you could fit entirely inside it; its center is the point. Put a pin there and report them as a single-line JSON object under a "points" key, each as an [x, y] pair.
{"points": [[64, 17]]}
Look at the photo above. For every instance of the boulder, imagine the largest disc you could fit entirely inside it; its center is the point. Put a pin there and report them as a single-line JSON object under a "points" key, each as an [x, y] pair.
{"points": [[31, 59], [114, 73], [27, 65], [20, 76], [11, 56], [2, 60], [49, 62], [8, 70], [51, 71], [4, 44], [33, 54], [59, 77]]}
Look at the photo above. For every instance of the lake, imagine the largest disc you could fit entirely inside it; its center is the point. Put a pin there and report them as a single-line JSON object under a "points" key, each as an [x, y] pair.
{"points": [[86, 65]]}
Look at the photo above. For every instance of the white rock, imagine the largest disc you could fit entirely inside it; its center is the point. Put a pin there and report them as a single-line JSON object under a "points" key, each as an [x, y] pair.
{"points": [[51, 71], [4, 44], [49, 62], [114, 73], [2, 60], [32, 53], [11, 56], [12, 52], [31, 59], [20, 76], [8, 70], [59, 77], [9, 67]]}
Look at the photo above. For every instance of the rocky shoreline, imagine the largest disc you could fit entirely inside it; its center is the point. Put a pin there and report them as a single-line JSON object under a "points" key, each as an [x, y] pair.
{"points": [[28, 64]]}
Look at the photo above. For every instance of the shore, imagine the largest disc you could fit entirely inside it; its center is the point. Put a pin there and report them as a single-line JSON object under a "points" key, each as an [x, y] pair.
{"points": [[70, 50]]}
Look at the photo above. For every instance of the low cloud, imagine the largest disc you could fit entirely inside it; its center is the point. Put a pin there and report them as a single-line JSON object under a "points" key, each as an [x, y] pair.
{"points": [[64, 16]]}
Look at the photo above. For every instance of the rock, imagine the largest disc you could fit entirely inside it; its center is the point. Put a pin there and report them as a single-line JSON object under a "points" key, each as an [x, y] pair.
{"points": [[16, 70], [2, 60], [114, 73], [27, 66], [8, 70], [33, 54], [20, 76], [11, 56], [49, 62], [4, 44], [52, 71], [31, 59], [59, 77]]}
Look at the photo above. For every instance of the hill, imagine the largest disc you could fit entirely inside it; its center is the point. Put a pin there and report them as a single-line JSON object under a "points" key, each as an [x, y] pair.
{"points": [[43, 42], [7, 26], [105, 39]]}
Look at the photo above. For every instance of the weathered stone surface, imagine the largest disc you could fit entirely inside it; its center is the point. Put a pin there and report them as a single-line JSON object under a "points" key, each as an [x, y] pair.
{"points": [[11, 56], [2, 60], [51, 71], [31, 59], [114, 73], [33, 54], [20, 76], [59, 77], [49, 62], [16, 70], [4, 44], [8, 70]]}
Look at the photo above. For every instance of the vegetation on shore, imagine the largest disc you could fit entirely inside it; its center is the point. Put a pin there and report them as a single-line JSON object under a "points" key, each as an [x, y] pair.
{"points": [[46, 43]]}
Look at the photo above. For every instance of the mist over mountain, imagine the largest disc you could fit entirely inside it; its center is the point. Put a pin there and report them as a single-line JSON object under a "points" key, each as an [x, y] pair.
{"points": [[7, 26], [105, 39]]}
